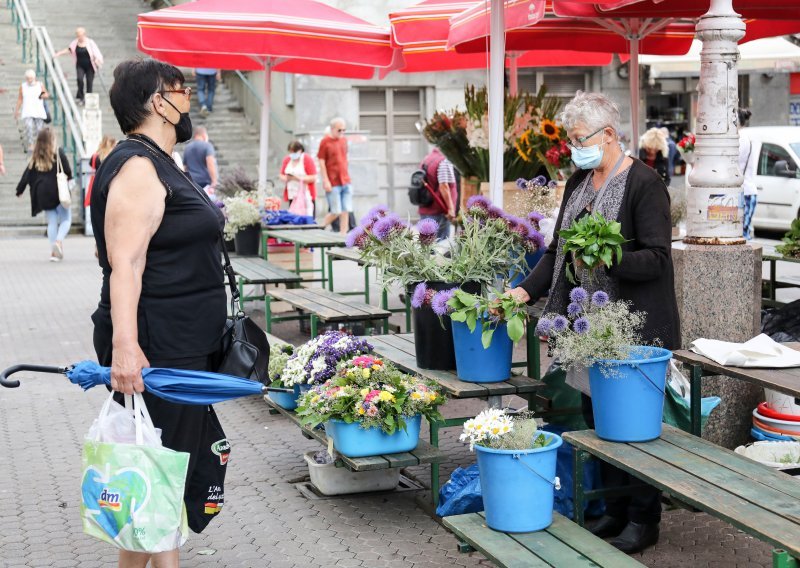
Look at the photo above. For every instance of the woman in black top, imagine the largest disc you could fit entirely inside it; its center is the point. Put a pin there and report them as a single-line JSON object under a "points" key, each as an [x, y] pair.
{"points": [[636, 197], [40, 175], [162, 302], [654, 152]]}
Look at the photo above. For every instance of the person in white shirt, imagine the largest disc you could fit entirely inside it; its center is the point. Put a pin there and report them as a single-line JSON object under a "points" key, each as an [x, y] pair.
{"points": [[30, 107], [747, 165]]}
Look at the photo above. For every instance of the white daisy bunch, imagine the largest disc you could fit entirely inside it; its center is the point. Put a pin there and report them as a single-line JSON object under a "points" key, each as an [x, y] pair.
{"points": [[488, 426], [294, 373]]}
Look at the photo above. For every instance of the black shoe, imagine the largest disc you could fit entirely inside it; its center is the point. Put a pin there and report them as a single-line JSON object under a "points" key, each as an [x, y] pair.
{"points": [[635, 538], [606, 526]]}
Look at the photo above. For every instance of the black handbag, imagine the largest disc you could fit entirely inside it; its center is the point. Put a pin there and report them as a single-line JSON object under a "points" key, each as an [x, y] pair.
{"points": [[245, 347]]}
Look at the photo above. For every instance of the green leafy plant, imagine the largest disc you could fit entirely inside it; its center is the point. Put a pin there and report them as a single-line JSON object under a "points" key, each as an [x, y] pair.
{"points": [[241, 211], [471, 309], [791, 241], [594, 241]]}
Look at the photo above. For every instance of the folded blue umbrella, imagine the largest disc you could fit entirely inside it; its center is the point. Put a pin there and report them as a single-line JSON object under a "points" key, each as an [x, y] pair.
{"points": [[175, 385]]}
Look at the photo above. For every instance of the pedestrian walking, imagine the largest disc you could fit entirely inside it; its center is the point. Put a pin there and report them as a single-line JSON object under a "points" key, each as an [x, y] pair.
{"points": [[623, 189], [300, 174], [654, 151], [332, 155], [162, 300], [440, 177], [206, 87], [200, 161], [747, 165], [87, 58], [40, 175], [30, 107], [107, 144], [673, 153]]}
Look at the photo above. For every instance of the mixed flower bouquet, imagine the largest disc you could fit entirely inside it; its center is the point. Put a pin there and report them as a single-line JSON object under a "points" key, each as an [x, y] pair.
{"points": [[373, 393], [471, 309], [594, 328], [686, 144], [530, 135], [241, 211], [495, 428], [279, 356], [316, 361]]}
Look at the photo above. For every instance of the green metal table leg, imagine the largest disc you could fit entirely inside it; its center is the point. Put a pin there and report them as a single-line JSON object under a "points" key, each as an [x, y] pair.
{"points": [[782, 559], [386, 326], [384, 299], [297, 259], [265, 248], [695, 399], [772, 278], [366, 284], [322, 264], [408, 314], [533, 348], [314, 322], [434, 437], [268, 312], [579, 458], [330, 273], [241, 293]]}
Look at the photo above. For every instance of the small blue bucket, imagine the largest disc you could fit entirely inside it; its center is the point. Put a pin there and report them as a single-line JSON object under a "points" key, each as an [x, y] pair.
{"points": [[286, 400], [353, 441], [629, 404], [532, 258], [476, 364], [518, 486]]}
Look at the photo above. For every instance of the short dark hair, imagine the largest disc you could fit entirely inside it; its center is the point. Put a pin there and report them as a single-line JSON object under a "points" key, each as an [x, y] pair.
{"points": [[296, 146], [744, 116], [135, 81]]}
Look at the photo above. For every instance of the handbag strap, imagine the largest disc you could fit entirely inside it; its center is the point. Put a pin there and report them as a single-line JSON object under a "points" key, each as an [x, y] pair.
{"points": [[59, 167]]}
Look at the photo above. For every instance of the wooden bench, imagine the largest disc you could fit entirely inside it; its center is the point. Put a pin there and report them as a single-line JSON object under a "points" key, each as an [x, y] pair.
{"points": [[771, 284], [311, 238], [257, 271], [760, 501], [562, 544], [323, 306], [423, 454]]}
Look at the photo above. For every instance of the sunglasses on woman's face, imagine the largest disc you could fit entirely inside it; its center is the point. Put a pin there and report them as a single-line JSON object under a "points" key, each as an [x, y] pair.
{"points": [[187, 92]]}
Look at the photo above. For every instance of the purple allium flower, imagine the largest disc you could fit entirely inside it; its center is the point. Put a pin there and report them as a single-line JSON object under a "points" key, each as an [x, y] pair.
{"points": [[439, 301], [544, 326], [427, 229], [552, 184], [560, 323], [386, 227], [522, 183], [599, 298], [539, 180], [574, 309], [418, 298], [578, 295], [478, 201], [355, 238], [581, 326]]}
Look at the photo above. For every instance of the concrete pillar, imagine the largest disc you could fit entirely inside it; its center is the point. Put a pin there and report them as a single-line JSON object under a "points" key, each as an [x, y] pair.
{"points": [[717, 276]]}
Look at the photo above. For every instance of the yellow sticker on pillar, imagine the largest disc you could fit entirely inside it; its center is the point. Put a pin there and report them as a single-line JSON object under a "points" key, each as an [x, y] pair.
{"points": [[722, 208]]}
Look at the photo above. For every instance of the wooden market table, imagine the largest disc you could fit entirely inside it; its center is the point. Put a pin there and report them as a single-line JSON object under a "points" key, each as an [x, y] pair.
{"points": [[254, 270], [310, 238], [786, 381], [771, 284]]}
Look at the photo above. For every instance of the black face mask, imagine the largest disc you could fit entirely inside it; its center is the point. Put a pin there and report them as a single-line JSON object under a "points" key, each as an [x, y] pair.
{"points": [[183, 128]]}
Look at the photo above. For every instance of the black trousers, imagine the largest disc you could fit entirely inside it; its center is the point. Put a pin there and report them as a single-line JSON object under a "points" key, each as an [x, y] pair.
{"points": [[82, 73], [643, 505]]}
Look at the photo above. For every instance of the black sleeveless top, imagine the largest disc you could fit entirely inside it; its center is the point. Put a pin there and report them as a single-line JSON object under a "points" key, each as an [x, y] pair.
{"points": [[182, 307]]}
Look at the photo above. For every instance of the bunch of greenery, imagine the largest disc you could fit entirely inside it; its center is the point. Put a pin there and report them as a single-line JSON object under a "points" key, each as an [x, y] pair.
{"points": [[471, 309], [241, 211], [278, 357], [791, 241], [373, 393], [594, 241]]}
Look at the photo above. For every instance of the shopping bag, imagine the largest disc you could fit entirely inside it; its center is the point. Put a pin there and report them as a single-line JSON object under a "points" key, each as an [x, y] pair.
{"points": [[677, 410], [132, 489]]}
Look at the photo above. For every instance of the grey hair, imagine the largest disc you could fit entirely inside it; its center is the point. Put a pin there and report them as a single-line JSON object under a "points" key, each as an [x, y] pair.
{"points": [[337, 120], [592, 110], [30, 73]]}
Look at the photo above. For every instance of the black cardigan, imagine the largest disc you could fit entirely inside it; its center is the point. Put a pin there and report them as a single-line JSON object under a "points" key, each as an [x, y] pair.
{"points": [[660, 165], [44, 188], [645, 275]]}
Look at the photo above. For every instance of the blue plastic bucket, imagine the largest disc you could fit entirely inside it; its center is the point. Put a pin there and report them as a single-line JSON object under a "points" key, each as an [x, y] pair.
{"points": [[629, 403], [476, 364], [532, 258], [518, 485], [353, 441], [286, 400]]}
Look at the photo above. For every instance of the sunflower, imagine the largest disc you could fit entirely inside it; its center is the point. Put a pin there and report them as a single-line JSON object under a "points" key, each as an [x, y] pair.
{"points": [[549, 129]]}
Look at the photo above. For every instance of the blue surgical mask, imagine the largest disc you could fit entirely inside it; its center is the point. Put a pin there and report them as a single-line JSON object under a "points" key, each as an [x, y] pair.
{"points": [[588, 157], [295, 155]]}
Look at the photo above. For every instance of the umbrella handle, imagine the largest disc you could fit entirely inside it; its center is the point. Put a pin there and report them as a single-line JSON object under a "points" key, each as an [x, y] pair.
{"points": [[276, 389], [17, 368]]}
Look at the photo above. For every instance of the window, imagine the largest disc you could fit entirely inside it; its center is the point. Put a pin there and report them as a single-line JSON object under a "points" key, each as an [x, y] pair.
{"points": [[560, 85], [770, 154]]}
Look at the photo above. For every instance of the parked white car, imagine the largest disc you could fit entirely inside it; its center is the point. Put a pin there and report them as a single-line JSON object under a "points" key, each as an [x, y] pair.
{"points": [[777, 175]]}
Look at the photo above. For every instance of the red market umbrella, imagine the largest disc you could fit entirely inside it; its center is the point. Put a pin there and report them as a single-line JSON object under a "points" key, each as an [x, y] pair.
{"points": [[300, 36], [759, 9]]}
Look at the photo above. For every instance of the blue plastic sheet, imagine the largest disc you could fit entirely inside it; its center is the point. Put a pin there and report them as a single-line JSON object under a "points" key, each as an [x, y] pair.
{"points": [[285, 218], [462, 493]]}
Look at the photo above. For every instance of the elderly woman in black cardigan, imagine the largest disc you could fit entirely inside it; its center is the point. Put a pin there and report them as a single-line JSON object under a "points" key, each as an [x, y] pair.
{"points": [[624, 189]]}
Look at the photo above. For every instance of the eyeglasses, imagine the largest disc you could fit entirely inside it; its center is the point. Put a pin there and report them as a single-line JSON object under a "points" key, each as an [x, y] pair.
{"points": [[341, 130], [579, 142], [187, 92]]}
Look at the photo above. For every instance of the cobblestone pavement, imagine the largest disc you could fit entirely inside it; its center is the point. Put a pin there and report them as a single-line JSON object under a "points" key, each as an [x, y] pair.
{"points": [[267, 522]]}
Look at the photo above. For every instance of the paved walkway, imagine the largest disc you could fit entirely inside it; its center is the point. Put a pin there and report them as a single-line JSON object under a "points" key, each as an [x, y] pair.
{"points": [[44, 318]]}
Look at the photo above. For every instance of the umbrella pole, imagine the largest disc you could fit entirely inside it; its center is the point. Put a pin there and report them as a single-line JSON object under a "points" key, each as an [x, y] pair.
{"points": [[634, 86], [263, 149], [513, 70], [496, 100]]}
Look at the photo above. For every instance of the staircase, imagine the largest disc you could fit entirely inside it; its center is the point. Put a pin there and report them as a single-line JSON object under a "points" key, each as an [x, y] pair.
{"points": [[113, 26]]}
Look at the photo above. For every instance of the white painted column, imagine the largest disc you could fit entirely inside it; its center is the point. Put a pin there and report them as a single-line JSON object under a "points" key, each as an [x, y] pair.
{"points": [[714, 216], [263, 144], [496, 100]]}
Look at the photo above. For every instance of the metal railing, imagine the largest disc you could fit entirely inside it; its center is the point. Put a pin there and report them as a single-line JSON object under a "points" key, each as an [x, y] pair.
{"points": [[37, 49]]}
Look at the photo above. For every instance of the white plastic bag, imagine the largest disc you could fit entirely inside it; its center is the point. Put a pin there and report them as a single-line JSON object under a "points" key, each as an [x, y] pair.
{"points": [[679, 383], [116, 423]]}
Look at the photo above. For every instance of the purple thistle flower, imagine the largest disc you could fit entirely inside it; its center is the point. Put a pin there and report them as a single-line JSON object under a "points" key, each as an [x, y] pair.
{"points": [[599, 298], [552, 184], [581, 326], [544, 326], [386, 227], [539, 180], [574, 309], [355, 238], [535, 216], [478, 201], [560, 323], [522, 183], [427, 229], [578, 295], [373, 215], [495, 212], [439, 302], [418, 297]]}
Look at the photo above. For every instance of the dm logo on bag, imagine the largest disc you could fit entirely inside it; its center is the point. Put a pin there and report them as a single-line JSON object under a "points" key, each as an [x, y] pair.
{"points": [[113, 500], [222, 448], [109, 500]]}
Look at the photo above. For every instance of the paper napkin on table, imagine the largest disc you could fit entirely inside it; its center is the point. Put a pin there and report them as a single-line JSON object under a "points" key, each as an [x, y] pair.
{"points": [[761, 351]]}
